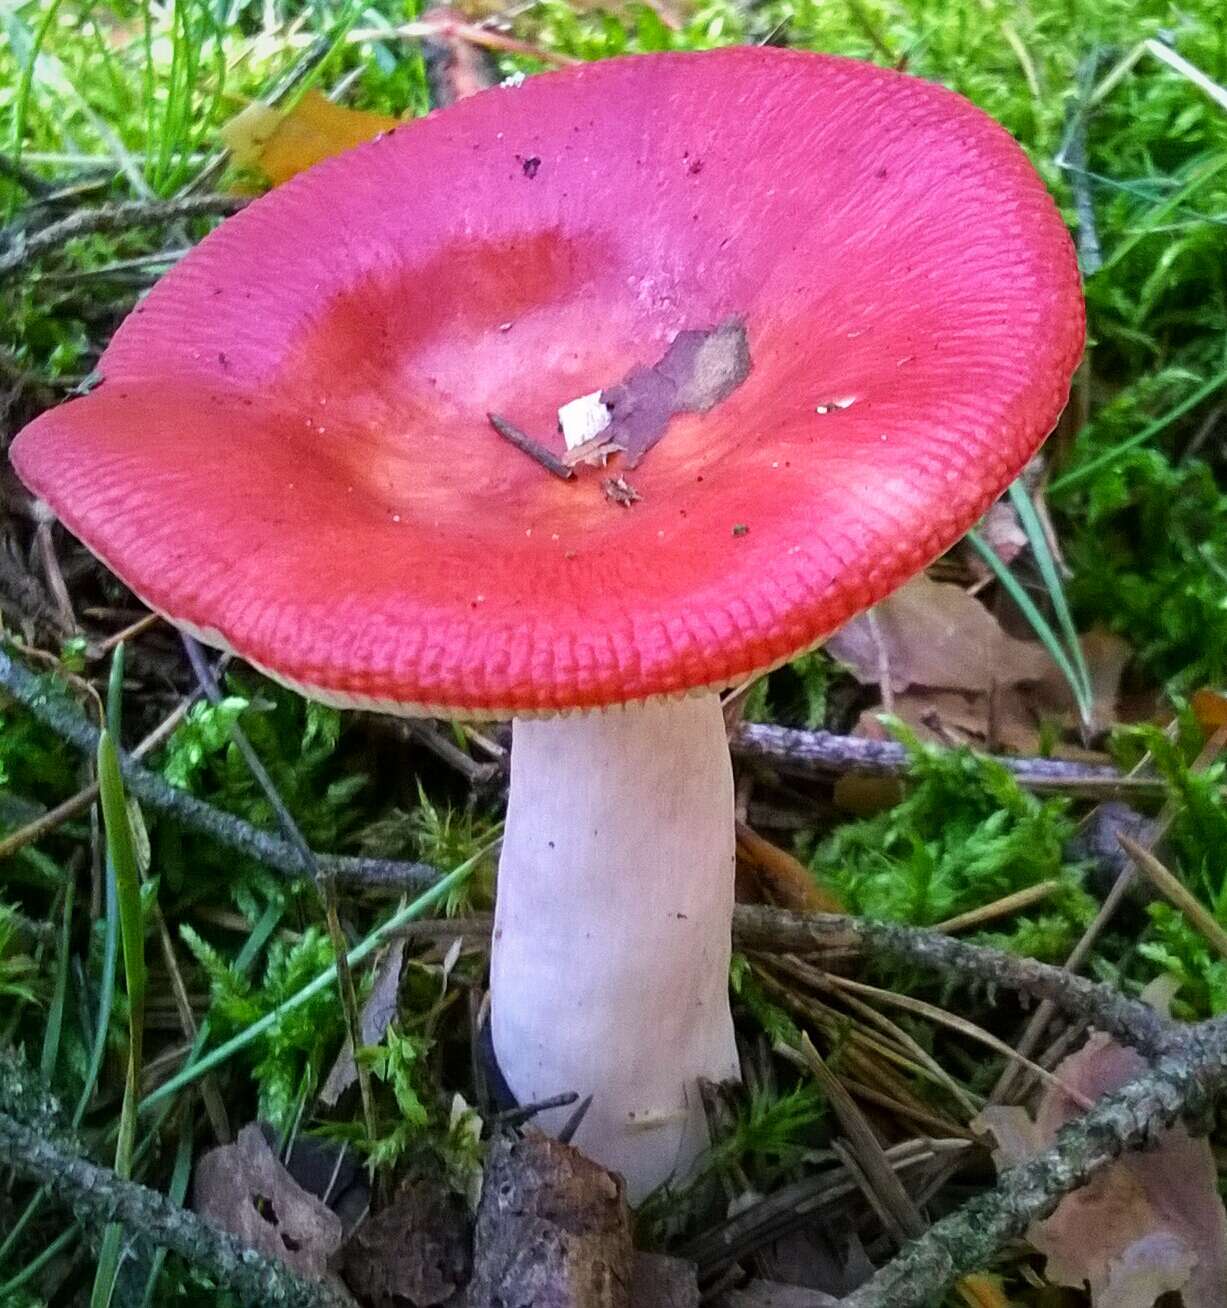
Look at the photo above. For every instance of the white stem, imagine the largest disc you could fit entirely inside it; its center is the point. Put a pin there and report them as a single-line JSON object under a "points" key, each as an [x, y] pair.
{"points": [[609, 973]]}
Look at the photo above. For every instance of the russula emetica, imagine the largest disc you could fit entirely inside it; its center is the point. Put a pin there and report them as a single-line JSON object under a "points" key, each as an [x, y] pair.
{"points": [[290, 456]]}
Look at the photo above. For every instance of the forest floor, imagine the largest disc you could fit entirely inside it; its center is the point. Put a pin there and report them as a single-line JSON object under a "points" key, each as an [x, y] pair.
{"points": [[1020, 753]]}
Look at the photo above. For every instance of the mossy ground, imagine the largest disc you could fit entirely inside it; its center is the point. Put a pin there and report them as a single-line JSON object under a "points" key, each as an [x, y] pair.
{"points": [[126, 101]]}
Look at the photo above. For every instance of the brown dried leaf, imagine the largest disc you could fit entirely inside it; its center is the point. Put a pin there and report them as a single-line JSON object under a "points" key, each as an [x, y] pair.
{"points": [[696, 372], [1002, 533], [377, 1015], [552, 1227], [934, 634], [413, 1254], [243, 1188], [1149, 1224], [1011, 718]]}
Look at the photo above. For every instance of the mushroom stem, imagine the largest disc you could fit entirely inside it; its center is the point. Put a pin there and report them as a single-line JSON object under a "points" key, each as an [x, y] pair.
{"points": [[609, 973]]}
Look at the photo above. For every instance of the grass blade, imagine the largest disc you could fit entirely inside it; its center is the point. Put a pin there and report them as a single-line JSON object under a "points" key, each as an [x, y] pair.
{"points": [[436, 894], [1039, 624], [1083, 471], [55, 1015], [122, 858], [1038, 539]]}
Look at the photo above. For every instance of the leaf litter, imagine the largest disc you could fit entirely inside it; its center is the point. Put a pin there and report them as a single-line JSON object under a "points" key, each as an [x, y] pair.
{"points": [[1149, 1224]]}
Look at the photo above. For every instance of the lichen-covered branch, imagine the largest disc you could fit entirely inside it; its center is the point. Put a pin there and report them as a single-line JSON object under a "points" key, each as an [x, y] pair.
{"points": [[67, 721], [1129, 1020], [823, 753], [1183, 1085], [112, 218], [761, 929], [98, 1196]]}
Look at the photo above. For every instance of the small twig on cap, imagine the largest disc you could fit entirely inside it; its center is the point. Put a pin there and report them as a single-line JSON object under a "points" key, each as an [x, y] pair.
{"points": [[534, 449], [325, 881]]}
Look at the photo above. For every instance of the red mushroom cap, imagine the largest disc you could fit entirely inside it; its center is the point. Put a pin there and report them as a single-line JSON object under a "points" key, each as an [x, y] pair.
{"points": [[291, 454]]}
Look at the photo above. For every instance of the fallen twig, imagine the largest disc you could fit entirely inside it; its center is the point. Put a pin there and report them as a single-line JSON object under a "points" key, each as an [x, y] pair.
{"points": [[1072, 158], [823, 753], [1184, 1083], [761, 928], [98, 1196], [25, 248], [68, 722]]}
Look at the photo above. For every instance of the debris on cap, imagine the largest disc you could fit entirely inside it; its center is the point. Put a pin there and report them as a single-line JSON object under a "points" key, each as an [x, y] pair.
{"points": [[582, 419]]}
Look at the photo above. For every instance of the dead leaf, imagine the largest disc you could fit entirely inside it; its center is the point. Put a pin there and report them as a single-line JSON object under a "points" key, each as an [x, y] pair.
{"points": [[243, 1188], [553, 1226], [1002, 533], [377, 1015], [329, 1170], [1210, 709], [769, 874], [1010, 718], [1150, 1224], [280, 143], [696, 372], [413, 1254], [1107, 655], [934, 634]]}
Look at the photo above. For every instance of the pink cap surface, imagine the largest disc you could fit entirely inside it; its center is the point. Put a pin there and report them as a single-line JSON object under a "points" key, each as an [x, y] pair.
{"points": [[290, 452]]}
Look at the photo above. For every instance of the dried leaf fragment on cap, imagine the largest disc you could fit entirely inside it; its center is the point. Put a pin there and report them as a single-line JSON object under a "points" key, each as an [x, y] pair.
{"points": [[698, 370]]}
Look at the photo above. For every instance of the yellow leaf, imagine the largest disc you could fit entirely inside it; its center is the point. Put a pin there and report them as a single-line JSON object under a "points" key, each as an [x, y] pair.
{"points": [[980, 1291], [280, 143]]}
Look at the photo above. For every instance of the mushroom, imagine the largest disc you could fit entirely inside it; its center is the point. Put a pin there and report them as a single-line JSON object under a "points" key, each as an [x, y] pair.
{"points": [[290, 456]]}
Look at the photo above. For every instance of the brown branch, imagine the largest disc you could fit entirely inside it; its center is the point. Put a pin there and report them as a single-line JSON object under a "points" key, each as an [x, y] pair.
{"points": [[25, 249], [1183, 1085], [1129, 1020]]}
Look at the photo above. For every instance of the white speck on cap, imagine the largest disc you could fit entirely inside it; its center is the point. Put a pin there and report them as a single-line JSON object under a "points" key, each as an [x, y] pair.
{"points": [[583, 418]]}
